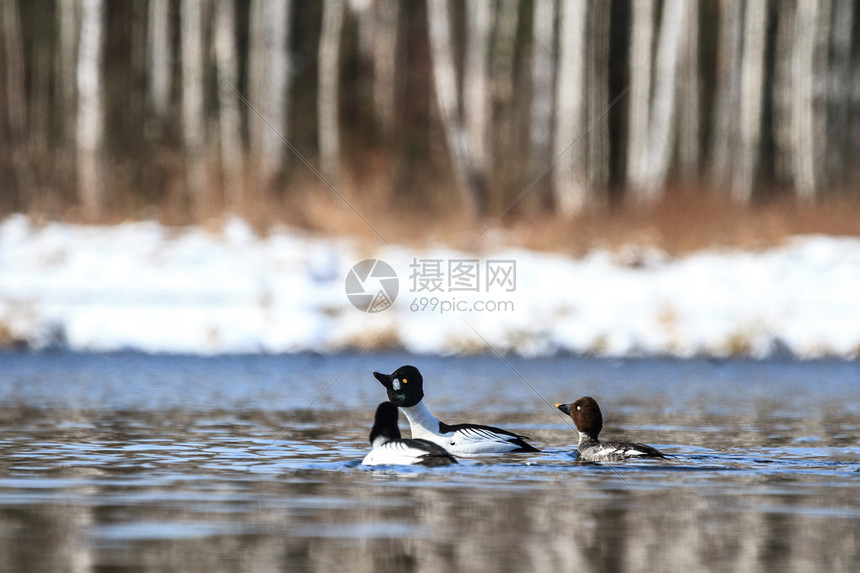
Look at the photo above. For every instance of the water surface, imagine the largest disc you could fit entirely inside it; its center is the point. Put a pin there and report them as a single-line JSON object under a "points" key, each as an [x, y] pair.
{"points": [[252, 462]]}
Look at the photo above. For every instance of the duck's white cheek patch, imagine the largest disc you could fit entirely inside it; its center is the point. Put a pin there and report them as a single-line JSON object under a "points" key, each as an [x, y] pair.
{"points": [[396, 385]]}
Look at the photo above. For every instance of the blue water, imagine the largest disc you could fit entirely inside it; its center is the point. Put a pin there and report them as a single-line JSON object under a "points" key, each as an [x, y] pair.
{"points": [[252, 462]]}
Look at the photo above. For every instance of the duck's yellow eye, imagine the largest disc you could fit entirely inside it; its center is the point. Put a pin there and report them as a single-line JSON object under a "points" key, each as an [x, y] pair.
{"points": [[403, 380], [579, 407]]}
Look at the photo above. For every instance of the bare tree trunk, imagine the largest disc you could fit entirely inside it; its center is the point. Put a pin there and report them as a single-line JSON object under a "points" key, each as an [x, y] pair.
{"points": [[802, 115], [41, 133], [90, 121], [229, 121], [854, 125], [193, 122], [363, 13], [689, 132], [543, 65], [160, 57], [13, 48], [570, 187], [67, 28], [597, 88], [641, 40], [268, 75], [727, 99], [257, 79], [384, 64], [504, 51], [505, 144], [139, 69], [839, 90], [662, 116], [781, 94], [752, 83], [476, 83], [469, 181], [329, 68], [820, 67]]}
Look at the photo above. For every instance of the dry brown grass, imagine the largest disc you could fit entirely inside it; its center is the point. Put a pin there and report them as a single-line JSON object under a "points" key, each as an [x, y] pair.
{"points": [[685, 221], [372, 200]]}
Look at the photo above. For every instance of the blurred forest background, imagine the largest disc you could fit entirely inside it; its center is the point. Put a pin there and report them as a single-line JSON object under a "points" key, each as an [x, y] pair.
{"points": [[183, 110]]}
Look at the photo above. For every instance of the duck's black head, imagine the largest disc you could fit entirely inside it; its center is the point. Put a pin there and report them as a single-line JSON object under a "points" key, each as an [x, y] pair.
{"points": [[585, 414], [405, 386], [385, 423]]}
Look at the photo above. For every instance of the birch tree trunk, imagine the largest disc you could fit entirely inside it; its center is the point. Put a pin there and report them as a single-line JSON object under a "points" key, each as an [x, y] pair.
{"points": [[90, 120], [384, 64], [662, 116], [570, 187], [268, 74], [781, 94], [543, 65], [689, 132], [597, 88], [752, 83], [639, 106], [329, 59], [839, 90], [469, 180], [727, 98], [476, 83], [160, 57], [193, 122], [228, 118], [802, 118], [363, 14]]}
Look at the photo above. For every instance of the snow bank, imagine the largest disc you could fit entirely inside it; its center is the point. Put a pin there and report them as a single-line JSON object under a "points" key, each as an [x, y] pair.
{"points": [[146, 287]]}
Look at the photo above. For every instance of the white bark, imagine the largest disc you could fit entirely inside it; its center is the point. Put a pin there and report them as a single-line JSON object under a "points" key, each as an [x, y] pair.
{"points": [[543, 65], [570, 188], [662, 115], [469, 182], [689, 132], [597, 87], [160, 57], [752, 83], [329, 59], [193, 122], [229, 121], [802, 117], [727, 98], [384, 64], [476, 82], [269, 94], [639, 106], [90, 120], [363, 13]]}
